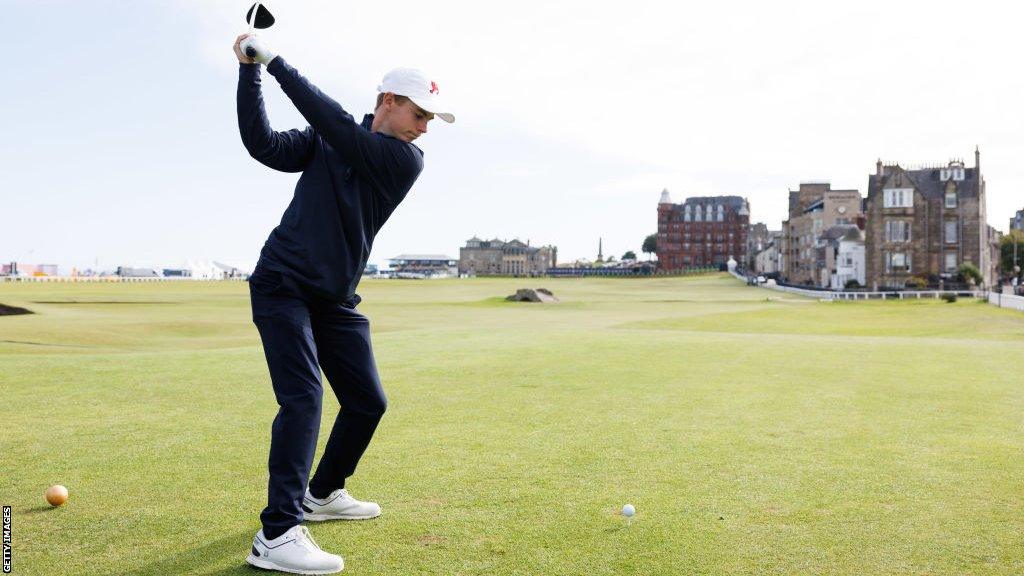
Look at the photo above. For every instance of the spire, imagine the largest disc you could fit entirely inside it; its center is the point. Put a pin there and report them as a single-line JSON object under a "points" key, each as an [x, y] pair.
{"points": [[600, 251], [978, 190], [665, 198]]}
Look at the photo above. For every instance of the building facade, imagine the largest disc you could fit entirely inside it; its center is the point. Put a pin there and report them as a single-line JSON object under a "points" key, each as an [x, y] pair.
{"points": [[499, 258], [758, 238], [1017, 222], [768, 261], [845, 256], [814, 208], [702, 231], [926, 222]]}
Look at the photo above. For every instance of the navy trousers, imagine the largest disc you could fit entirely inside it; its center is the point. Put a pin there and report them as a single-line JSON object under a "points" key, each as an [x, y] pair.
{"points": [[302, 334]]}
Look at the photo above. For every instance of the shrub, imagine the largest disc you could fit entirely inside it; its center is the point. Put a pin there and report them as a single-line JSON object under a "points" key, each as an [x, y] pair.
{"points": [[950, 298], [968, 272], [915, 283], [851, 284]]}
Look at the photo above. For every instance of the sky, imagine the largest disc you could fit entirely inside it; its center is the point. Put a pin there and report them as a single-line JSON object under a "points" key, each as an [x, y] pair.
{"points": [[122, 145]]}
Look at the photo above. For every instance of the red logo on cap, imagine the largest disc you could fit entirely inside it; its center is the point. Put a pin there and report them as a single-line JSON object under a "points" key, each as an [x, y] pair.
{"points": [[433, 88]]}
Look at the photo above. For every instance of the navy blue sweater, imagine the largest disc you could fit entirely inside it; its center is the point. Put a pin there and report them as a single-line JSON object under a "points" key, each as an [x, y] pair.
{"points": [[352, 180]]}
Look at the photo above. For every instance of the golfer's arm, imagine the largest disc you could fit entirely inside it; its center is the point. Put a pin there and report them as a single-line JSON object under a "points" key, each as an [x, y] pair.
{"points": [[391, 167], [285, 151]]}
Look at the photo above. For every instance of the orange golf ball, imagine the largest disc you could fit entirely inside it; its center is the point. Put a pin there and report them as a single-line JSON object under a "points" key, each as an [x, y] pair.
{"points": [[56, 495]]}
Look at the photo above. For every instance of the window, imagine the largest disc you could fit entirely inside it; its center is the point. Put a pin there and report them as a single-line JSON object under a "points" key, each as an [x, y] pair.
{"points": [[899, 198], [897, 262], [897, 231], [953, 172], [950, 261], [950, 231], [686, 216], [951, 199]]}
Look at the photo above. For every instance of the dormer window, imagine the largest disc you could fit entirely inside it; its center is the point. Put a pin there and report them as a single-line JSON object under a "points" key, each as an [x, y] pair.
{"points": [[955, 172]]}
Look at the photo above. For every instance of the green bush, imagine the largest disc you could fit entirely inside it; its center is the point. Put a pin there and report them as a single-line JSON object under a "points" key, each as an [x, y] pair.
{"points": [[949, 297], [851, 284], [915, 283], [968, 272]]}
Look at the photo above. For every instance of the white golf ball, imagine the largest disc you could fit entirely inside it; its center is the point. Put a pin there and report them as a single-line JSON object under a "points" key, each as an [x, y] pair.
{"points": [[628, 510]]}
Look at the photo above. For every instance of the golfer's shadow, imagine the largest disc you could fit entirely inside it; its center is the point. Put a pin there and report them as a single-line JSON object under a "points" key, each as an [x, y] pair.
{"points": [[193, 560]]}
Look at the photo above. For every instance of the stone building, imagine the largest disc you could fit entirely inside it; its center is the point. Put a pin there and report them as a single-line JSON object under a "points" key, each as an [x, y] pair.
{"points": [[758, 238], [814, 208], [499, 258], [843, 254], [702, 231], [1017, 222], [767, 261], [926, 222]]}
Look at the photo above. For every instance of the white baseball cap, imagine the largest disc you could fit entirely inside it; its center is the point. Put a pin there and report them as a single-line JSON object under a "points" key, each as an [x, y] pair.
{"points": [[414, 85]]}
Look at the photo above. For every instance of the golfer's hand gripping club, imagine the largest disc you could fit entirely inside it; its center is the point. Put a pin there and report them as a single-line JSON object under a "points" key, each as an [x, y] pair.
{"points": [[254, 48]]}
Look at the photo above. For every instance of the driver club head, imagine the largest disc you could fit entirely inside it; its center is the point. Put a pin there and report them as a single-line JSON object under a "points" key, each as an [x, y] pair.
{"points": [[264, 19]]}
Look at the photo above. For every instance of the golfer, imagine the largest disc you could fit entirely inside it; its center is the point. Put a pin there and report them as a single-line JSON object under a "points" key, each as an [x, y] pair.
{"points": [[354, 175]]}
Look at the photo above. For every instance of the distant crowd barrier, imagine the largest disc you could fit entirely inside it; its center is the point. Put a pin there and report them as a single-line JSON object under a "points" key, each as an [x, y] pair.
{"points": [[644, 271], [1006, 300], [113, 279]]}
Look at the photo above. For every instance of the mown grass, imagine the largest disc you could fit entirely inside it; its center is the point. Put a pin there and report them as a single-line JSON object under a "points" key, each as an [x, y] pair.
{"points": [[756, 433]]}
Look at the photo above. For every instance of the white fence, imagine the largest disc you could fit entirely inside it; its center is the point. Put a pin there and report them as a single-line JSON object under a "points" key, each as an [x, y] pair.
{"points": [[1006, 300], [902, 295]]}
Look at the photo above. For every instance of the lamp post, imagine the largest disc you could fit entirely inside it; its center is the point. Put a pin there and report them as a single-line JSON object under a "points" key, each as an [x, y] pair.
{"points": [[1016, 267]]}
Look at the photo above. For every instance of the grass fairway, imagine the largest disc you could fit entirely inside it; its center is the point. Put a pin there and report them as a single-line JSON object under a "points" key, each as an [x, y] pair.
{"points": [[756, 433]]}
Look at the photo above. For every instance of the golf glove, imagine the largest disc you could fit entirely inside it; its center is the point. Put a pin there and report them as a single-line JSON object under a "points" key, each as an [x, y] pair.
{"points": [[257, 50]]}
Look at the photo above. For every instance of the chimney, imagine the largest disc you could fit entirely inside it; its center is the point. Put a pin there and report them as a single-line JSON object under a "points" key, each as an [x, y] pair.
{"points": [[878, 167]]}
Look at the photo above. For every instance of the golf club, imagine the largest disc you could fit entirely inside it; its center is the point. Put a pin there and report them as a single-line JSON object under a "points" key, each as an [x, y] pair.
{"points": [[258, 18]]}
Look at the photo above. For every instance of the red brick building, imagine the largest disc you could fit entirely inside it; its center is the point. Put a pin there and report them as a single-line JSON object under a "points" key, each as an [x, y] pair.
{"points": [[702, 231]]}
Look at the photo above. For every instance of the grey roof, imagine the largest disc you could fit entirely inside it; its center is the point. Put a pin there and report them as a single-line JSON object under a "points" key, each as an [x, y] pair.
{"points": [[736, 202], [815, 206], [422, 257], [730, 202], [841, 232], [926, 181]]}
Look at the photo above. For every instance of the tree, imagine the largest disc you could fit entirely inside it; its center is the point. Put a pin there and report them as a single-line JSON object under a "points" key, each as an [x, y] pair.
{"points": [[629, 255], [1006, 251], [650, 245]]}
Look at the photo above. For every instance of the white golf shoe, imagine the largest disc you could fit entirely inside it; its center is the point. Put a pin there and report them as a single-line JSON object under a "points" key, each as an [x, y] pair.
{"points": [[294, 552], [339, 505]]}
